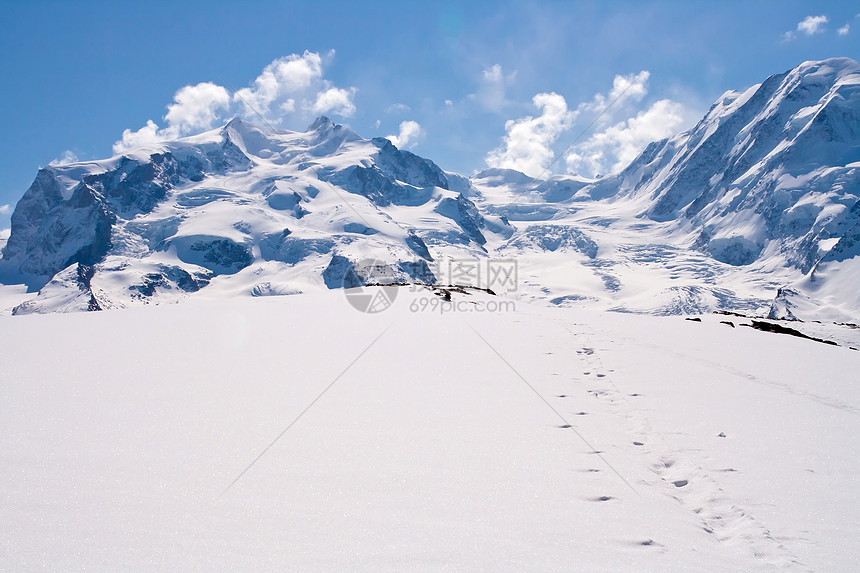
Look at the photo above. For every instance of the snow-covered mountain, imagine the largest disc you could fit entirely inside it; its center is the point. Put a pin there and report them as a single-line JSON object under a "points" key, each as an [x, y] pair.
{"points": [[761, 194], [238, 210], [776, 162], [754, 209]]}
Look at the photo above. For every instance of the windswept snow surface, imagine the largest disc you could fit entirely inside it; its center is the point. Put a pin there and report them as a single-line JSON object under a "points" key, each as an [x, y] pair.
{"points": [[540, 438]]}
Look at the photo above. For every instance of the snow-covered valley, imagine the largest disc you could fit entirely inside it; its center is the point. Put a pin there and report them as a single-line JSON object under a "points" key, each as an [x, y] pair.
{"points": [[534, 438]]}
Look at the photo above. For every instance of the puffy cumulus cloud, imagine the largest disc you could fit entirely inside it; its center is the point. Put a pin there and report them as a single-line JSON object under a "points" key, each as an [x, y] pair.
{"points": [[290, 87], [809, 26], [335, 100], [285, 76], [626, 90], [812, 25], [149, 134], [410, 133], [5, 209], [614, 148], [67, 157], [196, 108], [624, 129], [527, 143], [492, 89], [843, 31]]}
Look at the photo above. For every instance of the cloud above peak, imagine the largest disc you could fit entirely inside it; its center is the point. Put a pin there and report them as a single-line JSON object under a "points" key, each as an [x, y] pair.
{"points": [[812, 25], [196, 108], [809, 26], [335, 100], [527, 143], [280, 81], [615, 147], [410, 133], [624, 129], [291, 87]]}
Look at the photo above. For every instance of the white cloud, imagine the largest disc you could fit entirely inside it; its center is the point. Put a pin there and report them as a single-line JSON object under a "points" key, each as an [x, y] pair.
{"points": [[614, 148], [289, 87], [808, 26], [628, 89], [527, 143], [4, 234], [410, 133], [398, 108], [67, 157], [492, 91], [196, 108], [5, 209], [335, 100], [449, 103], [493, 73], [146, 135], [843, 31], [812, 25], [288, 75], [624, 129]]}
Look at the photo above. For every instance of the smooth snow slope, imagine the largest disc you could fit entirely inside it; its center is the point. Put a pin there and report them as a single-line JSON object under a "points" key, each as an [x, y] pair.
{"points": [[440, 445]]}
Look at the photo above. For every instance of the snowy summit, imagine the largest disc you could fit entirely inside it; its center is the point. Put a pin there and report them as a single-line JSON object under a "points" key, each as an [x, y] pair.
{"points": [[751, 210]]}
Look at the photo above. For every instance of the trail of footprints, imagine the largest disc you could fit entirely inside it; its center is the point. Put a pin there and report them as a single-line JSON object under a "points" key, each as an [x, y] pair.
{"points": [[690, 485]]}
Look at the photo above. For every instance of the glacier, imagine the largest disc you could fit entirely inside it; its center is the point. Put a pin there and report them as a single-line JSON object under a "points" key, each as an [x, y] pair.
{"points": [[755, 204]]}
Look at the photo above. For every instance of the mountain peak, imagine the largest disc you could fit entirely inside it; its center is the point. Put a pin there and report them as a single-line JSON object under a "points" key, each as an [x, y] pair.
{"points": [[322, 123], [839, 67]]}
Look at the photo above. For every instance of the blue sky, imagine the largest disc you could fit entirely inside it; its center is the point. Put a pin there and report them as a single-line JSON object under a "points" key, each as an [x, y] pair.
{"points": [[467, 84]]}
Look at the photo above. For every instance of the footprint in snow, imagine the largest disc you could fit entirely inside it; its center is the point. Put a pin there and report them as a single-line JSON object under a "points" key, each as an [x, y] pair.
{"points": [[602, 498], [646, 543], [680, 483]]}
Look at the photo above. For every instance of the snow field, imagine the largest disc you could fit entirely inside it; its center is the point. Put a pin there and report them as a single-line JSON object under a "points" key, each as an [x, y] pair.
{"points": [[442, 445]]}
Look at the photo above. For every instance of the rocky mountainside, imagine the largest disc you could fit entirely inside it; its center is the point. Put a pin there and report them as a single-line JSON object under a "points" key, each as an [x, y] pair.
{"points": [[754, 209]]}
